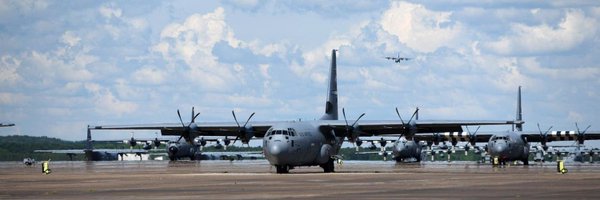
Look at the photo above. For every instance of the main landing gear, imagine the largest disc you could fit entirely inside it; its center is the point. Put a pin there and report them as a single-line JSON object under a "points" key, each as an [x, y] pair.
{"points": [[282, 169], [328, 167]]}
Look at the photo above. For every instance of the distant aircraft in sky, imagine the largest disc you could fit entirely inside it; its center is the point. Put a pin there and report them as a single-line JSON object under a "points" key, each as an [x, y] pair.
{"points": [[288, 144], [397, 59], [6, 124]]}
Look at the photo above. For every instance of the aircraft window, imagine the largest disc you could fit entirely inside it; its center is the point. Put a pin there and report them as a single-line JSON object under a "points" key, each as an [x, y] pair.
{"points": [[285, 132], [279, 132], [500, 138]]}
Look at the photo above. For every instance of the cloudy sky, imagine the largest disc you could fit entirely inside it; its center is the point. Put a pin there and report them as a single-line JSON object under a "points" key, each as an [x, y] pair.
{"points": [[67, 64]]}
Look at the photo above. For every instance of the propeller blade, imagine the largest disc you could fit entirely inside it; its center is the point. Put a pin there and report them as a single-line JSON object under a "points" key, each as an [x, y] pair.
{"points": [[415, 113], [582, 132], [344, 113], [192, 113], [194, 118], [235, 140], [180, 120], [399, 116], [235, 118], [249, 119], [357, 119]]}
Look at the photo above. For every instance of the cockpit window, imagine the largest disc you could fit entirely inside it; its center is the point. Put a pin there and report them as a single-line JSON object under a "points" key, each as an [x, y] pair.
{"points": [[290, 132], [500, 138]]}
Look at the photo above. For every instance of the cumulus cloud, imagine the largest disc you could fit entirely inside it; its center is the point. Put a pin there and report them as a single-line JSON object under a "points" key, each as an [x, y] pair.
{"points": [[110, 11], [419, 28], [192, 42], [571, 32], [70, 38], [149, 75], [108, 104], [8, 70], [7, 98]]}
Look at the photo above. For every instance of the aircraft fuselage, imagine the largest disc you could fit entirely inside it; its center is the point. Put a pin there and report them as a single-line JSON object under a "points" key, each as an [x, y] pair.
{"points": [[290, 144], [508, 146], [404, 149]]}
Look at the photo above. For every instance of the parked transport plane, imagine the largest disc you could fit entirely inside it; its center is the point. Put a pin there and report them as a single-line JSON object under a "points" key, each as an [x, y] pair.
{"points": [[288, 144]]}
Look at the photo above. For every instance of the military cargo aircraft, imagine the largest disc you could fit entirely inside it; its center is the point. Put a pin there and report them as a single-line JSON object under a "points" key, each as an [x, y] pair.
{"points": [[6, 124], [92, 154], [288, 144], [512, 145], [397, 59]]}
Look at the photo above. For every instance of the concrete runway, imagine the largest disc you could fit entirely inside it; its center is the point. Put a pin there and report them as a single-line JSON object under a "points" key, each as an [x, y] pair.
{"points": [[257, 180]]}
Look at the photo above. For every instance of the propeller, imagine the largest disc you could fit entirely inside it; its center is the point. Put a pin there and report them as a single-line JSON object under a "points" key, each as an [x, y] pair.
{"points": [[472, 135], [544, 137], [191, 127], [407, 127], [226, 143], [244, 132], [147, 145], [382, 142], [581, 134], [131, 141], [437, 138], [372, 147], [202, 143], [352, 137]]}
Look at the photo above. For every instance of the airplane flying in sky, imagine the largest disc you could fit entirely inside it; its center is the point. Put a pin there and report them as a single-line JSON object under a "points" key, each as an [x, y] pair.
{"points": [[287, 144], [6, 124], [397, 59]]}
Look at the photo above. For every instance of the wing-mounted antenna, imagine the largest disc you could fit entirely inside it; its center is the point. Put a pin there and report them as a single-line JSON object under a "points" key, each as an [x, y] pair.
{"points": [[581, 134], [331, 106]]}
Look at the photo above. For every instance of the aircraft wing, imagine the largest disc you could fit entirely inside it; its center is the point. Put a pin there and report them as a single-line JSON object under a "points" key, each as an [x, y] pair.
{"points": [[531, 136], [395, 127], [534, 136], [366, 128], [82, 151], [204, 128]]}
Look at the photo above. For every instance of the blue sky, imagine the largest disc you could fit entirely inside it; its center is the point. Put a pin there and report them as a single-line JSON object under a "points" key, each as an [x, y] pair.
{"points": [[65, 64]]}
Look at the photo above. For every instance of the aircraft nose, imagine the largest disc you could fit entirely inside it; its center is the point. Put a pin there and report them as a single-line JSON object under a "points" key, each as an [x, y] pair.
{"points": [[500, 148], [277, 152], [277, 148], [400, 147]]}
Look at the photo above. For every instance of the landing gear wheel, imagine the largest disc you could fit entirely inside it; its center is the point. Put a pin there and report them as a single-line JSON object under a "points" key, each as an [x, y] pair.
{"points": [[172, 158], [526, 162], [328, 167], [282, 169]]}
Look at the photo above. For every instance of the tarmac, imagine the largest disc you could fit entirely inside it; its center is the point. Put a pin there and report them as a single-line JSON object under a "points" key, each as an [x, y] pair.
{"points": [[255, 179]]}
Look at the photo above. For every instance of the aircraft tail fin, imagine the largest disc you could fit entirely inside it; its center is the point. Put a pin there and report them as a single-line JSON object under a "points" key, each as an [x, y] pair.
{"points": [[331, 106], [88, 144], [519, 117]]}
